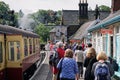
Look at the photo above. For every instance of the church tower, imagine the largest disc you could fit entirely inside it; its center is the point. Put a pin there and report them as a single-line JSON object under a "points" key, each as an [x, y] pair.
{"points": [[83, 11]]}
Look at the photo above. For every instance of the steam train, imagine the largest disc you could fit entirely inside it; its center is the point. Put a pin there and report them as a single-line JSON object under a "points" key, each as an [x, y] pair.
{"points": [[19, 53]]}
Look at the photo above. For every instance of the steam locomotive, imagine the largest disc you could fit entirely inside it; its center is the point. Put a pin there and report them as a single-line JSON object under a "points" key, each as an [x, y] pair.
{"points": [[19, 53]]}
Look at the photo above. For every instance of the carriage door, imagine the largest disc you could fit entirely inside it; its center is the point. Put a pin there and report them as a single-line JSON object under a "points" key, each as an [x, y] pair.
{"points": [[2, 57]]}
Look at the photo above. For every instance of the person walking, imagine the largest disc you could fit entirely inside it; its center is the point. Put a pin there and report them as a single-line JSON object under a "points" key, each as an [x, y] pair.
{"points": [[68, 66], [51, 53], [89, 45], [102, 70], [61, 53], [88, 62], [79, 59]]}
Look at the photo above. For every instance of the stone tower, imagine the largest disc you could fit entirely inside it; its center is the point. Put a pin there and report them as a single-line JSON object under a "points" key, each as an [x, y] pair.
{"points": [[83, 11]]}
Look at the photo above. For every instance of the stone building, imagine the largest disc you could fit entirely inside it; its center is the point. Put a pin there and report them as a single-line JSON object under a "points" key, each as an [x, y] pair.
{"points": [[72, 20]]}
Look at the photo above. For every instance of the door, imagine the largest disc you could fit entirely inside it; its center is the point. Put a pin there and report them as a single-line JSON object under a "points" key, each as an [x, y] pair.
{"points": [[2, 57], [111, 46]]}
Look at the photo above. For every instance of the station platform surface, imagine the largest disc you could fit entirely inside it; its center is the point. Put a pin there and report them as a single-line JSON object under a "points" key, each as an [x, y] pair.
{"points": [[44, 72]]}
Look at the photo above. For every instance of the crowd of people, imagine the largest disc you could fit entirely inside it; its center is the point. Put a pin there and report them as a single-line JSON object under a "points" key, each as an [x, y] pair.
{"points": [[74, 58]]}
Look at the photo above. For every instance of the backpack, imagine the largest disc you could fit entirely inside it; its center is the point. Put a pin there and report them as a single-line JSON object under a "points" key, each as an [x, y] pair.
{"points": [[101, 71], [115, 65], [54, 59], [51, 60]]}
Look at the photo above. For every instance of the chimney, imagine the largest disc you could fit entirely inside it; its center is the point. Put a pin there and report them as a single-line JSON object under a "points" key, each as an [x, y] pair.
{"points": [[115, 5], [83, 10]]}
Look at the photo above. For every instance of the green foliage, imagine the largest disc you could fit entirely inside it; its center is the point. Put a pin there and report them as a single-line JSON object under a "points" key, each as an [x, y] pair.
{"points": [[3, 7], [43, 32], [47, 16], [7, 16], [104, 8]]}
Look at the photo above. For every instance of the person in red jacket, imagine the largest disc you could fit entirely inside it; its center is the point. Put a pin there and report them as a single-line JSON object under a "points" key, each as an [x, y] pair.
{"points": [[61, 53]]}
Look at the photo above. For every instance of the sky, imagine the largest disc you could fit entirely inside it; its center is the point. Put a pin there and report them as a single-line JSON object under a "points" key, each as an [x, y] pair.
{"points": [[29, 6]]}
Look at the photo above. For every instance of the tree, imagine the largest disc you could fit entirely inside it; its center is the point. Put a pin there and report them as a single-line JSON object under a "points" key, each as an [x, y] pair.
{"points": [[104, 8], [7, 16], [47, 17], [40, 16], [43, 32], [4, 8]]}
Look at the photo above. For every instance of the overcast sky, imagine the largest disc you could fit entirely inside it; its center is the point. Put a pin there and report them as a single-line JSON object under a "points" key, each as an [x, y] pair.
{"points": [[34, 5]]}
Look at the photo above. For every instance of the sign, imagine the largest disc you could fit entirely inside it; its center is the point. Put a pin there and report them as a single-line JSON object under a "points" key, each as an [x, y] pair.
{"points": [[106, 31]]}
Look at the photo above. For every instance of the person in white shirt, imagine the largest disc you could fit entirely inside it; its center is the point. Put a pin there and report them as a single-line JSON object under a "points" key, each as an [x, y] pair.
{"points": [[79, 59], [47, 46]]}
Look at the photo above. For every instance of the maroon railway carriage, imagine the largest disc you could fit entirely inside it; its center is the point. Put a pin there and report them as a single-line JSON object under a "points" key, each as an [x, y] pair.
{"points": [[19, 53]]}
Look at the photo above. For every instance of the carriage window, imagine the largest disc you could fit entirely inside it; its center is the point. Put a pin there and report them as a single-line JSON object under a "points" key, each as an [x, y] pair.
{"points": [[25, 47], [18, 50], [33, 45], [30, 46], [1, 53], [36, 41], [11, 51], [14, 50]]}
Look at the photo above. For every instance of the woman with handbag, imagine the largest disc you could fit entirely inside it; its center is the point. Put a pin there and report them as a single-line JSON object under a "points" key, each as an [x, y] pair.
{"points": [[68, 66]]}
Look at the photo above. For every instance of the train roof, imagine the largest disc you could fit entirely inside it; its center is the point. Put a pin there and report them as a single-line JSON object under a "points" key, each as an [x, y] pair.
{"points": [[12, 30]]}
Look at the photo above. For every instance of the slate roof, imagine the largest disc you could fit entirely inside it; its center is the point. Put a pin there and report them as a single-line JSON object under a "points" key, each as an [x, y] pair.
{"points": [[83, 30], [71, 17], [112, 18]]}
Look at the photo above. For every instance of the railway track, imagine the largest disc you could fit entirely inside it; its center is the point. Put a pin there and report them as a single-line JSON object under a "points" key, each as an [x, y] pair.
{"points": [[39, 64], [43, 69]]}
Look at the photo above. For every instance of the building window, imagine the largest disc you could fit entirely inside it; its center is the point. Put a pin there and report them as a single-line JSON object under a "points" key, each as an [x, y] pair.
{"points": [[104, 44], [94, 35], [94, 43], [117, 29], [98, 34], [99, 44], [1, 53], [25, 47]]}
